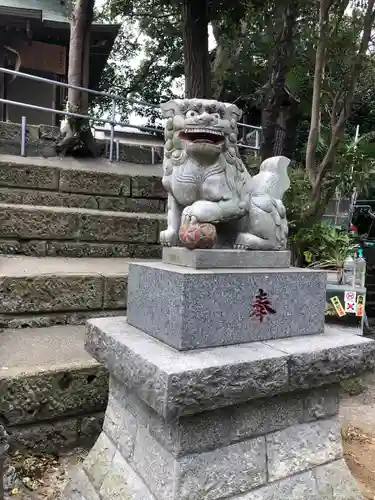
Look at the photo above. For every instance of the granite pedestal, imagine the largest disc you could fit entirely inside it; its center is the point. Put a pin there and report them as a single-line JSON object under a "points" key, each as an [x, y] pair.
{"points": [[248, 421], [191, 308]]}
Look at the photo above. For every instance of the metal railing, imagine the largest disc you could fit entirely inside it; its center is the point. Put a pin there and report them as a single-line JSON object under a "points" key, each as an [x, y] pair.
{"points": [[255, 131]]}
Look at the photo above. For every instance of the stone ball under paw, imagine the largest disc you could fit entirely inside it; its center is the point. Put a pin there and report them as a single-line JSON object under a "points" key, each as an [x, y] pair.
{"points": [[198, 235]]}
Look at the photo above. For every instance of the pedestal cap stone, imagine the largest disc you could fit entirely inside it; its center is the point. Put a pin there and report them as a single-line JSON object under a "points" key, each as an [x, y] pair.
{"points": [[194, 308], [223, 258], [182, 383]]}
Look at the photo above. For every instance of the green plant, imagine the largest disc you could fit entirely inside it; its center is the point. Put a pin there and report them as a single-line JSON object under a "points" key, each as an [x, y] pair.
{"points": [[323, 246], [335, 261]]}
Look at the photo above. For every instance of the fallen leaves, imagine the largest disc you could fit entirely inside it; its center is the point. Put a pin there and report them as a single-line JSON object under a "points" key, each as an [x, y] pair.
{"points": [[42, 476], [351, 434]]}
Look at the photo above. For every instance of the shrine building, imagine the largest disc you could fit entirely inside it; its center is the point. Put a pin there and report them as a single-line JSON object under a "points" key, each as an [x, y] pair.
{"points": [[34, 38]]}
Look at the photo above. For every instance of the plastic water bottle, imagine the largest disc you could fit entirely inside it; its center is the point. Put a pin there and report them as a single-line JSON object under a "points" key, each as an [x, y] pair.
{"points": [[349, 271], [360, 268]]}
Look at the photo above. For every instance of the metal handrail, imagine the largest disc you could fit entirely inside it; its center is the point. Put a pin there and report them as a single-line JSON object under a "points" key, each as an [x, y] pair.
{"points": [[77, 115], [112, 121], [76, 87]]}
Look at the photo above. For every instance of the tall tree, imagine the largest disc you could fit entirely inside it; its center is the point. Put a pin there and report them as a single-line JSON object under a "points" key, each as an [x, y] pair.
{"points": [[190, 20], [78, 138], [341, 95]]}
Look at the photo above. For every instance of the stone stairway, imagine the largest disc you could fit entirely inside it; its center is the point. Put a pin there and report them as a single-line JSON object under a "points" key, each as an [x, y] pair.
{"points": [[68, 230], [75, 209]]}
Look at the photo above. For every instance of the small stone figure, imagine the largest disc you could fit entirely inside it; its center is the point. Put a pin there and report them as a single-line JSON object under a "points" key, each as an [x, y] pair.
{"points": [[207, 181]]}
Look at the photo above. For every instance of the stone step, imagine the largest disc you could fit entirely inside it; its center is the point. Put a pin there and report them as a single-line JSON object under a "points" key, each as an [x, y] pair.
{"points": [[92, 184], [52, 392], [55, 290], [58, 199], [78, 232]]}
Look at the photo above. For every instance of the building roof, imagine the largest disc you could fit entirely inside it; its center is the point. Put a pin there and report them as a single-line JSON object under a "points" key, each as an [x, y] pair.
{"points": [[48, 10]]}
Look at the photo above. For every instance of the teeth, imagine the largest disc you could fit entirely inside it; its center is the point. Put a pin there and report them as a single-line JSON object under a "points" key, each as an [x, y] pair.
{"points": [[203, 131]]}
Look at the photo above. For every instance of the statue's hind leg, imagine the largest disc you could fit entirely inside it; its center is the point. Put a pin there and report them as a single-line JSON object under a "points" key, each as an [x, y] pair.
{"points": [[248, 241]]}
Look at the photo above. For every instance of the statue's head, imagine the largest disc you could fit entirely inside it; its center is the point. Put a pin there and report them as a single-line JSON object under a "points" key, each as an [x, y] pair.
{"points": [[201, 127]]}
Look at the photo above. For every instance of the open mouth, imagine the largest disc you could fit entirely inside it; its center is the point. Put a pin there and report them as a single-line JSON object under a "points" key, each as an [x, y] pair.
{"points": [[201, 135]]}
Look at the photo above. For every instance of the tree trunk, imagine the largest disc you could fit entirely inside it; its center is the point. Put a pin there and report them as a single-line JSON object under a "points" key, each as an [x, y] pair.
{"points": [[78, 139], [291, 124], [196, 55], [78, 27], [314, 132], [86, 69], [280, 61]]}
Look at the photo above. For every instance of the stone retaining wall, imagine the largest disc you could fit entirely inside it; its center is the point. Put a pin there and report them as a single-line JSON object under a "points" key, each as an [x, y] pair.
{"points": [[71, 233], [62, 292], [56, 435], [50, 411]]}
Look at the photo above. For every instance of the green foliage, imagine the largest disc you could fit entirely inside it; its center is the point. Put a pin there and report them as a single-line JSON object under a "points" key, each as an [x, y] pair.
{"points": [[354, 168], [247, 29], [296, 198], [150, 34], [324, 246], [246, 32], [345, 33]]}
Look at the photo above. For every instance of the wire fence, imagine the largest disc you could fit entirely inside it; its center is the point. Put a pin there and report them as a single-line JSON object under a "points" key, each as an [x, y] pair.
{"points": [[253, 135]]}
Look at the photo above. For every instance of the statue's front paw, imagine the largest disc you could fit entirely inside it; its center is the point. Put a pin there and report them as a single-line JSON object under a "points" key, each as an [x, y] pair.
{"points": [[201, 211], [168, 238], [188, 216]]}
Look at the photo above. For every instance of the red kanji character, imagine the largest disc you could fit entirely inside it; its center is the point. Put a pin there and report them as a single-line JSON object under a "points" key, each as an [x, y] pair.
{"points": [[261, 306]]}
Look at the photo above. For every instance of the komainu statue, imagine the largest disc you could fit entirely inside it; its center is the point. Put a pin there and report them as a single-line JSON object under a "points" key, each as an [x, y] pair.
{"points": [[208, 184]]}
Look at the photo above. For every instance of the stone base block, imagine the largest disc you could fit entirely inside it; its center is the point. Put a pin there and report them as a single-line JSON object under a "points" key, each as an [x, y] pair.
{"points": [[222, 258], [194, 308], [275, 448], [149, 471], [256, 421], [120, 481]]}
